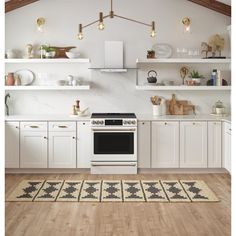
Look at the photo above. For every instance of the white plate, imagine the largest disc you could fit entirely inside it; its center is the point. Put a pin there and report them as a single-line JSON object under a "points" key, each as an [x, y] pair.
{"points": [[162, 50], [27, 77]]}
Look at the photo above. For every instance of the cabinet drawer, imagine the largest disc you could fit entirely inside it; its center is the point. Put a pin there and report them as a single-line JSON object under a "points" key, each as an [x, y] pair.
{"points": [[62, 126], [33, 126]]}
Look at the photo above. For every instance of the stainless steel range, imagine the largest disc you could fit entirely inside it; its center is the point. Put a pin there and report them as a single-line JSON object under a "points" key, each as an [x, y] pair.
{"points": [[114, 143]]}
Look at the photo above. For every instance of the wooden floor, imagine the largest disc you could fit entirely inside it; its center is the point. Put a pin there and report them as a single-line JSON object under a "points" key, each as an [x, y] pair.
{"points": [[113, 219]]}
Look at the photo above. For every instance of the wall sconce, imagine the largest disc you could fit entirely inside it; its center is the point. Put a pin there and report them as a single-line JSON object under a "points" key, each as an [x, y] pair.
{"points": [[101, 24], [40, 24], [153, 32], [186, 23]]}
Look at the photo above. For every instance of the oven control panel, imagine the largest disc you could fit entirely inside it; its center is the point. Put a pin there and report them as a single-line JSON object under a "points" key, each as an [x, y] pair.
{"points": [[113, 122]]}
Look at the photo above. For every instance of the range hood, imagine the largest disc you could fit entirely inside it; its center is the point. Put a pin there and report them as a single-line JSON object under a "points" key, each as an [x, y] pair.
{"points": [[114, 58]]}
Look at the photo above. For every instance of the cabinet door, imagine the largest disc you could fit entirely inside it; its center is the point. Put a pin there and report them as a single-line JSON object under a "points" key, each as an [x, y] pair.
{"points": [[12, 145], [33, 149], [227, 146], [193, 144], [144, 144], [84, 148], [62, 150], [165, 145], [214, 144]]}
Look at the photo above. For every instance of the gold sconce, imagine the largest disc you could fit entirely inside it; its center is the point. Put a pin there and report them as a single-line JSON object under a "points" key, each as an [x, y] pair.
{"points": [[80, 35], [40, 24], [153, 32], [186, 22]]}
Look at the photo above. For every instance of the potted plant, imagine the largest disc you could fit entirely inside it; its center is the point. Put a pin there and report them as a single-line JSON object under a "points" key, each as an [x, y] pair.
{"points": [[49, 52], [195, 78]]}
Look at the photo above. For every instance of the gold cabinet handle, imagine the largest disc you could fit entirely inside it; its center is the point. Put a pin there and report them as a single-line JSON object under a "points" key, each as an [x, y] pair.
{"points": [[34, 126], [62, 126]]}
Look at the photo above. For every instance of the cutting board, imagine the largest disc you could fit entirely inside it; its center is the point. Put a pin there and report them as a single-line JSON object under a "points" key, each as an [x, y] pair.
{"points": [[179, 107]]}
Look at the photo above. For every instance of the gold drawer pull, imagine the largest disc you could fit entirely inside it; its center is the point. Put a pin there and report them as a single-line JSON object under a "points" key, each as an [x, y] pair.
{"points": [[34, 126], [62, 126]]}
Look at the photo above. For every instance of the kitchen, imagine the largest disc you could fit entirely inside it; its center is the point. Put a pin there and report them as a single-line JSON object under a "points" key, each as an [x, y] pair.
{"points": [[148, 100]]}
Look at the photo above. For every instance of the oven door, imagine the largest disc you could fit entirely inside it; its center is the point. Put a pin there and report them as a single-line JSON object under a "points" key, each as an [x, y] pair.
{"points": [[114, 144]]}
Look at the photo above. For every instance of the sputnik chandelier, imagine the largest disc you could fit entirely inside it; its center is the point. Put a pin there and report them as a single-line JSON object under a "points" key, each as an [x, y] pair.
{"points": [[101, 25]]}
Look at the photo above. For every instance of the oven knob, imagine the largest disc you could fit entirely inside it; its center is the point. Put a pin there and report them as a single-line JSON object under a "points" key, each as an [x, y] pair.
{"points": [[93, 122], [125, 122], [129, 122], [133, 122], [101, 122]]}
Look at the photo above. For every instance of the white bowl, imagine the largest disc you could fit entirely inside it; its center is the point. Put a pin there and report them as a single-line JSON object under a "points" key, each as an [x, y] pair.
{"points": [[72, 55]]}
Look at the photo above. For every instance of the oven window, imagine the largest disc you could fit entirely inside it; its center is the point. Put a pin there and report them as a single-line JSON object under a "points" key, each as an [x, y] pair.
{"points": [[113, 143]]}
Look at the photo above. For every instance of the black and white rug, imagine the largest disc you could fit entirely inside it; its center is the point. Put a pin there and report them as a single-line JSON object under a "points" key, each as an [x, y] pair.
{"points": [[112, 191]]}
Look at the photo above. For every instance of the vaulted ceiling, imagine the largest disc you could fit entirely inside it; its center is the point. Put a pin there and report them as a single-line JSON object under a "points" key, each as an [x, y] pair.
{"points": [[221, 6]]}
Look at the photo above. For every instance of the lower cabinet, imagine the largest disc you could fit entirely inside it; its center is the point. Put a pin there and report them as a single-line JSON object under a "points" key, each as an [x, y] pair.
{"points": [[226, 163], [214, 144], [33, 145], [84, 149], [165, 145], [62, 145], [144, 144], [193, 144], [12, 144]]}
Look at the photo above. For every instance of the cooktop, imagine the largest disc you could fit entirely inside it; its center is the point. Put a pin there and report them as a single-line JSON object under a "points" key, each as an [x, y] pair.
{"points": [[113, 115]]}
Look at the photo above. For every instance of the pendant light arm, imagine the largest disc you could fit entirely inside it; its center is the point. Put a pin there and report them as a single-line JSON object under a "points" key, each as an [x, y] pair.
{"points": [[94, 22], [136, 21]]}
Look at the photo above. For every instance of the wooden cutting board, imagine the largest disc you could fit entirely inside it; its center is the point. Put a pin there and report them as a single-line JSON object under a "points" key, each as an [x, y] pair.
{"points": [[179, 107]]}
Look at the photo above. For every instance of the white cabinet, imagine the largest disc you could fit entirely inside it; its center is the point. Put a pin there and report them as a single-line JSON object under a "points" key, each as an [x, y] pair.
{"points": [[84, 148], [12, 144], [33, 145], [62, 145], [144, 144], [227, 146], [214, 144], [193, 144], [165, 145]]}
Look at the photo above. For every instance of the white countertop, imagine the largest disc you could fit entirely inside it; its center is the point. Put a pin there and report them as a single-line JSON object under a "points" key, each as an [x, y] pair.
{"points": [[46, 118], [203, 117], [141, 117]]}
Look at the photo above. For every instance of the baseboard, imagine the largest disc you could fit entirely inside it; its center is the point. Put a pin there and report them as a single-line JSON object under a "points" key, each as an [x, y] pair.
{"points": [[181, 170], [140, 171]]}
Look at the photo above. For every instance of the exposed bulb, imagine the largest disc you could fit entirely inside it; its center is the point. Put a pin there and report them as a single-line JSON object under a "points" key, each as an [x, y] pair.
{"points": [[101, 26], [40, 28], [187, 29], [153, 34], [80, 36]]}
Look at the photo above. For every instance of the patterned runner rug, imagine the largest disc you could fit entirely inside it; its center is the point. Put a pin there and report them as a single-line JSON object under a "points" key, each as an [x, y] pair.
{"points": [[112, 191]]}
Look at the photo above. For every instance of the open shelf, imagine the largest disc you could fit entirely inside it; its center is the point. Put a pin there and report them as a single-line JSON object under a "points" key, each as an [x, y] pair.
{"points": [[52, 60], [184, 60], [61, 88], [183, 88]]}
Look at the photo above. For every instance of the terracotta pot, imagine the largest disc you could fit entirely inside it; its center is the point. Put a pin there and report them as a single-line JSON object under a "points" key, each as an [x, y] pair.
{"points": [[10, 80]]}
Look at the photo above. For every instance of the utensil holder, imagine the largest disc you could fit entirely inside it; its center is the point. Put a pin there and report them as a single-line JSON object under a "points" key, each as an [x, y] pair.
{"points": [[156, 110]]}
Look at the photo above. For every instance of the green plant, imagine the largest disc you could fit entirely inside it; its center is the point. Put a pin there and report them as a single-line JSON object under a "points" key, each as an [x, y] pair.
{"points": [[195, 74], [47, 48]]}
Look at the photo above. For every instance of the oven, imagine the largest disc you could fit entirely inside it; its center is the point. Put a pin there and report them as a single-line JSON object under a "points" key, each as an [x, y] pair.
{"points": [[114, 147], [114, 144]]}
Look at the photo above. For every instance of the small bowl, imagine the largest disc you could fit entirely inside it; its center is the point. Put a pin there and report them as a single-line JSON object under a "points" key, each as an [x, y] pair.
{"points": [[72, 55]]}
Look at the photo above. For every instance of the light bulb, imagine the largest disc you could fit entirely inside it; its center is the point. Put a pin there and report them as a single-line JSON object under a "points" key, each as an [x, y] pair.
{"points": [[153, 33], [80, 36], [187, 29], [101, 26]]}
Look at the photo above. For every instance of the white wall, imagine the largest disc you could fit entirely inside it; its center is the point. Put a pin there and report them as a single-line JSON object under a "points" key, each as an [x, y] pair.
{"points": [[110, 92]]}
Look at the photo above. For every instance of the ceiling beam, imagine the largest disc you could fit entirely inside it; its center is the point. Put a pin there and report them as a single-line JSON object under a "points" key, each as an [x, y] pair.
{"points": [[215, 6], [15, 4]]}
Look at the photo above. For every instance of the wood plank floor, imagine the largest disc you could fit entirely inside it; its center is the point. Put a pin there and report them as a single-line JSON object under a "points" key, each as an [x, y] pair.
{"points": [[113, 219]]}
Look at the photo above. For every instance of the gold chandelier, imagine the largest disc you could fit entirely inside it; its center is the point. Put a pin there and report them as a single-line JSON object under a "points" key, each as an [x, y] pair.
{"points": [[101, 25]]}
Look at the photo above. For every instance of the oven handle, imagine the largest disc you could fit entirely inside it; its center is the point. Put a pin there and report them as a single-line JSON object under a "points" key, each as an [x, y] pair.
{"points": [[113, 130], [109, 164]]}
